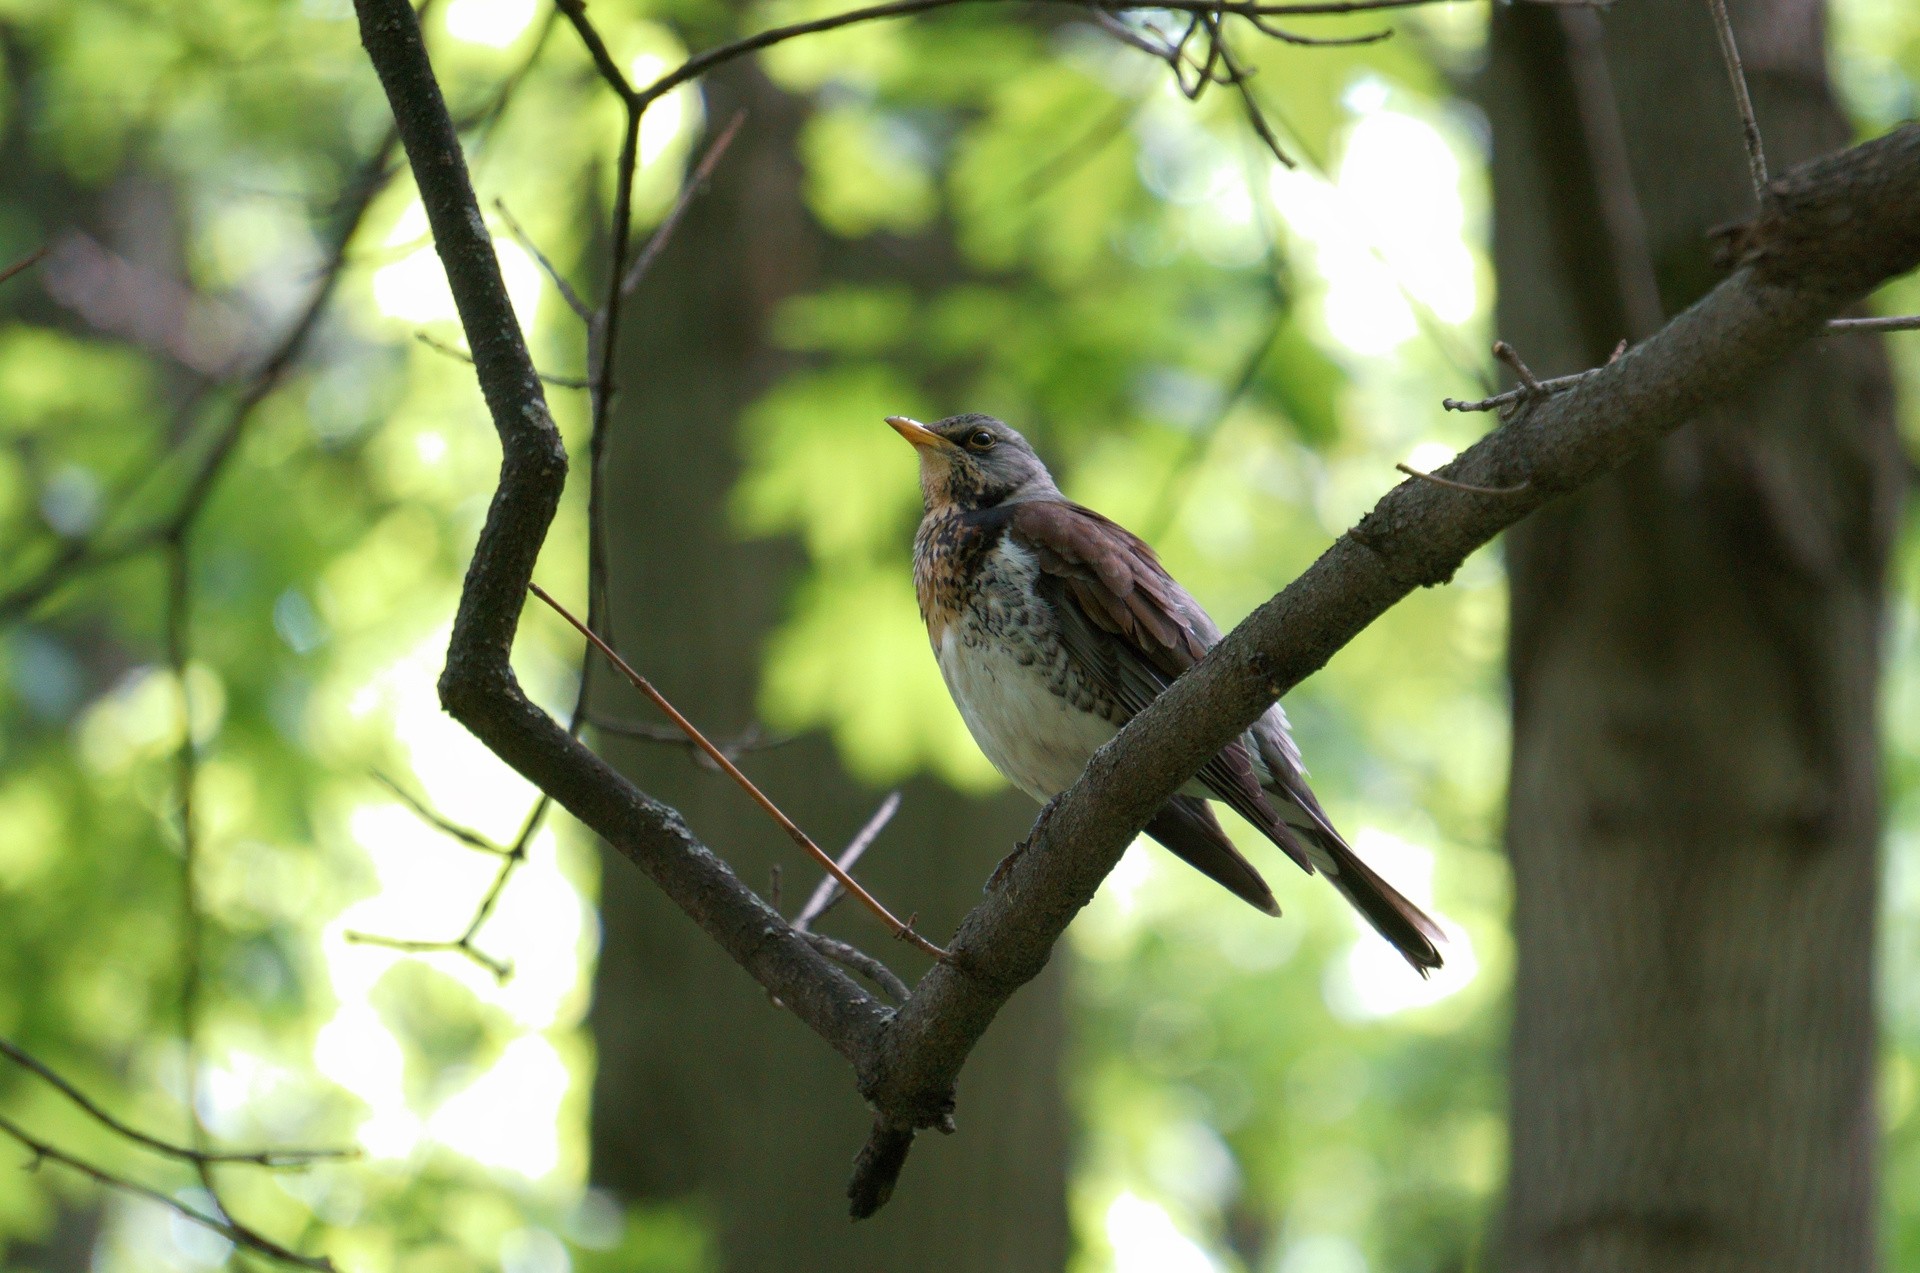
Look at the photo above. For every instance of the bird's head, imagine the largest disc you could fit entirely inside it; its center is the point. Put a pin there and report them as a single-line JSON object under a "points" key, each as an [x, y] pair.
{"points": [[975, 461]]}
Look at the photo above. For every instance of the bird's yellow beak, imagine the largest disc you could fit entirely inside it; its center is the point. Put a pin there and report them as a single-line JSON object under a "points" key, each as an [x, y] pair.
{"points": [[918, 434]]}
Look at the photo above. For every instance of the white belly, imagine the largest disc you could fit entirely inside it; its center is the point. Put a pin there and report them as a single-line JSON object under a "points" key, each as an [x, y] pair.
{"points": [[1033, 736]]}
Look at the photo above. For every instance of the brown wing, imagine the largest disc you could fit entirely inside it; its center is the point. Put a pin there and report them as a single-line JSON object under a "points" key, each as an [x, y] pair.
{"points": [[1132, 629]]}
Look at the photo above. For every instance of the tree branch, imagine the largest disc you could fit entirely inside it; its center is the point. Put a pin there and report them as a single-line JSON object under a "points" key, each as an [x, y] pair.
{"points": [[1830, 231], [478, 686]]}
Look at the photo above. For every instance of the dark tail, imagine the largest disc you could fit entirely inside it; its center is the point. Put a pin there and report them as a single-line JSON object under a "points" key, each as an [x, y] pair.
{"points": [[1186, 825], [1410, 929]]}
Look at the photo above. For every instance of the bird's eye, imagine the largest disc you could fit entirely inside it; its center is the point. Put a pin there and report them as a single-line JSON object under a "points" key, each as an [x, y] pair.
{"points": [[980, 439]]}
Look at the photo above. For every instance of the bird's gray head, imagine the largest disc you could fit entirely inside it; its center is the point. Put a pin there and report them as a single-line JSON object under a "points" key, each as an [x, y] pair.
{"points": [[975, 461]]}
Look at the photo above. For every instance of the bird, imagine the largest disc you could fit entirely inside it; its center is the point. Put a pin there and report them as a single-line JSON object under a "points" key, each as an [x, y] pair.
{"points": [[1053, 626]]}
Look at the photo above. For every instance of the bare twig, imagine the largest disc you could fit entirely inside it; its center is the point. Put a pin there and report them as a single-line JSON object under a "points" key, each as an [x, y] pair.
{"points": [[25, 263], [1510, 357], [1904, 323], [828, 891], [576, 13], [1557, 384], [510, 859], [502, 970], [861, 962], [663, 234], [1317, 41], [466, 835], [750, 739], [460, 355], [241, 1236], [271, 1159], [700, 63], [1749, 126], [1468, 487], [903, 931], [581, 310]]}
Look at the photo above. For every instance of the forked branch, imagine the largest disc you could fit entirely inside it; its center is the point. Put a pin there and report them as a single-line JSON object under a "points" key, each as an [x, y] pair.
{"points": [[1829, 232]]}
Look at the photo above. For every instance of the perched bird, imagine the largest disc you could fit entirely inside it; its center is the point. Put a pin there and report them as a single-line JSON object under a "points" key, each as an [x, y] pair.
{"points": [[1053, 626]]}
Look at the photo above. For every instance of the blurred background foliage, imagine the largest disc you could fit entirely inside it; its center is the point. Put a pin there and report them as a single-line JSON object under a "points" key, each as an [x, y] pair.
{"points": [[1223, 353]]}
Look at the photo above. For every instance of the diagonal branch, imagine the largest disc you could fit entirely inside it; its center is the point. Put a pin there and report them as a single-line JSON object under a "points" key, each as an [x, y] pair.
{"points": [[1829, 232]]}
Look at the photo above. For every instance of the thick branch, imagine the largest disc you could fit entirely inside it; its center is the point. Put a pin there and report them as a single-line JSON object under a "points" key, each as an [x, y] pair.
{"points": [[478, 686], [1833, 230]]}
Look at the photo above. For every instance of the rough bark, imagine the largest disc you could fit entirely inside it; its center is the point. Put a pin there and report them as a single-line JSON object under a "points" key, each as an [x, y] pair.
{"points": [[1694, 811], [704, 1090]]}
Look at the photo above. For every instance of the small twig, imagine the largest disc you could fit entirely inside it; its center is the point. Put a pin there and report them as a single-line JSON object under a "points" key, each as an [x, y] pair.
{"points": [[1558, 384], [1116, 26], [700, 63], [1238, 76], [501, 969], [903, 931], [272, 1159], [463, 945], [466, 835], [1468, 487], [238, 1234], [828, 891], [1749, 126], [454, 351], [663, 233], [749, 739], [25, 263], [1317, 41], [1904, 323], [1529, 383], [581, 310], [576, 12], [861, 962]]}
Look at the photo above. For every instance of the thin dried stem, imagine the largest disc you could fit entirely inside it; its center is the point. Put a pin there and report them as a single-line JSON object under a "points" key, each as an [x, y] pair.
{"points": [[1904, 323], [1510, 357], [1558, 384], [663, 234], [581, 310], [501, 969], [460, 355], [25, 263], [828, 891], [1468, 487], [749, 739], [466, 835], [860, 961], [271, 1159], [1749, 126], [902, 930]]}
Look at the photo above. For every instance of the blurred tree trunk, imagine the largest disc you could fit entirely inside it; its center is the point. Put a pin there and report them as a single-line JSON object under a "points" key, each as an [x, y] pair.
{"points": [[705, 1090], [1694, 813]]}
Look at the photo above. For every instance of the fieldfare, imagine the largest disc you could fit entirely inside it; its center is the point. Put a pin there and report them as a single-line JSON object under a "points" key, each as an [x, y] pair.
{"points": [[1053, 626]]}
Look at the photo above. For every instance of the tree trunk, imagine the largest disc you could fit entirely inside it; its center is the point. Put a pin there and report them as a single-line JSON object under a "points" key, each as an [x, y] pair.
{"points": [[705, 1090], [1695, 801]]}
